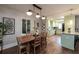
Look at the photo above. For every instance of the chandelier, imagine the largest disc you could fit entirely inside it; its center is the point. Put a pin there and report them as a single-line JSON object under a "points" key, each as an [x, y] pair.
{"points": [[30, 12]]}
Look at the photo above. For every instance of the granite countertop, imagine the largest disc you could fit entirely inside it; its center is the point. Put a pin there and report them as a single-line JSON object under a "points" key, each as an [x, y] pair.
{"points": [[71, 33]]}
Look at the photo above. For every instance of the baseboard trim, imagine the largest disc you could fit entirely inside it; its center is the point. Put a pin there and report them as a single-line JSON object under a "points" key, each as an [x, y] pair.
{"points": [[11, 50], [9, 45]]}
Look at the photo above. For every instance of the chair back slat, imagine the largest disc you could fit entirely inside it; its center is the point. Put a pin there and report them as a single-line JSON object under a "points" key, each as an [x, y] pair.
{"points": [[37, 40]]}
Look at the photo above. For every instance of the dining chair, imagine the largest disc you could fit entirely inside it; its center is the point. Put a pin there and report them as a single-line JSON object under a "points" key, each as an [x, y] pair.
{"points": [[22, 48], [43, 40], [36, 44]]}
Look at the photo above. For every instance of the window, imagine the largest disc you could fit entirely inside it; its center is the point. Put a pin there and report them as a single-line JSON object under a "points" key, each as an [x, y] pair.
{"points": [[28, 26], [23, 26]]}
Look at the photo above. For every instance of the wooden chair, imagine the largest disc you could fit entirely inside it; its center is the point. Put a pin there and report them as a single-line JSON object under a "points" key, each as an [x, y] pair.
{"points": [[22, 48], [36, 44], [43, 40]]}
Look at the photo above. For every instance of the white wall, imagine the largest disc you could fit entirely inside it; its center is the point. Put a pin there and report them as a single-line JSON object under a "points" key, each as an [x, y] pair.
{"points": [[10, 40]]}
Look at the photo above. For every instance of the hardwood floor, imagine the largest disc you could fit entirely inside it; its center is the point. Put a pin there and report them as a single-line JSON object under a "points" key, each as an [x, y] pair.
{"points": [[12, 50], [53, 47]]}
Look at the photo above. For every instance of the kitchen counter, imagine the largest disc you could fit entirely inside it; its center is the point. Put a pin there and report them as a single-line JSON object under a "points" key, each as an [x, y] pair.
{"points": [[72, 33], [68, 40]]}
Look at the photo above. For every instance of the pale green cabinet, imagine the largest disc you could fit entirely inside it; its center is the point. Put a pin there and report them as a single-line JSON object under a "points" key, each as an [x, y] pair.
{"points": [[67, 41]]}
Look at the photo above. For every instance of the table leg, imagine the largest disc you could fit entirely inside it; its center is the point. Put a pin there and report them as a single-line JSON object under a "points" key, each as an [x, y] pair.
{"points": [[28, 48]]}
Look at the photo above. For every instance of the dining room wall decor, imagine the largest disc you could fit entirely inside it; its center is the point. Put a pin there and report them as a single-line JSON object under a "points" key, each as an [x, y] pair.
{"points": [[10, 25]]}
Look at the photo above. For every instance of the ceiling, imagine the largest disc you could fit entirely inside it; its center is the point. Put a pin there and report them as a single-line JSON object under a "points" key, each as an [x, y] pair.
{"points": [[49, 10], [59, 9]]}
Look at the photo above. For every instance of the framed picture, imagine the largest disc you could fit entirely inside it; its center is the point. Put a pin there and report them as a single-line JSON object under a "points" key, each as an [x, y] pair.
{"points": [[10, 25]]}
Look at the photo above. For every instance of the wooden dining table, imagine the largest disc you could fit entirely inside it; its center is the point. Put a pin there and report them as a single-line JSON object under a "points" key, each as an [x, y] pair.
{"points": [[26, 40]]}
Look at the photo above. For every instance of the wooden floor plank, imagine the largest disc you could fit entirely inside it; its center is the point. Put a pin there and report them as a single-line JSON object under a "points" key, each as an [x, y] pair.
{"points": [[53, 47]]}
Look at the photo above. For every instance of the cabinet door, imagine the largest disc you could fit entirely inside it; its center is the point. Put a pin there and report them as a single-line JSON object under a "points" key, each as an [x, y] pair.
{"points": [[67, 41]]}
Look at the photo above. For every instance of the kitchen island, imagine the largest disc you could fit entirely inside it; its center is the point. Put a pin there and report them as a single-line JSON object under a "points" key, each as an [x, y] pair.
{"points": [[68, 40]]}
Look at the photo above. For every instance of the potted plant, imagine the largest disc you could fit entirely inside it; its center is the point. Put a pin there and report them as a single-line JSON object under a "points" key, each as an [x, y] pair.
{"points": [[2, 29]]}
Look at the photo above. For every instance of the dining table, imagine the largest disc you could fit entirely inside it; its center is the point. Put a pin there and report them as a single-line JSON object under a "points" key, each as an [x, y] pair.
{"points": [[26, 40]]}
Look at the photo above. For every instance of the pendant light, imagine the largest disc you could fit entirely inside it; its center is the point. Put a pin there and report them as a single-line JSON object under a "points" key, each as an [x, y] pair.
{"points": [[43, 17], [29, 12], [37, 15]]}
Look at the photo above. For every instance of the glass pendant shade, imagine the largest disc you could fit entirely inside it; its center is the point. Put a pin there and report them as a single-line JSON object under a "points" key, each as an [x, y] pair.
{"points": [[29, 12], [43, 17], [37, 15]]}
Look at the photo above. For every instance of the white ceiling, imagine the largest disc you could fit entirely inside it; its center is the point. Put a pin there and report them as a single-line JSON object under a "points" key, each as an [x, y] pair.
{"points": [[19, 7], [49, 10], [59, 9]]}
